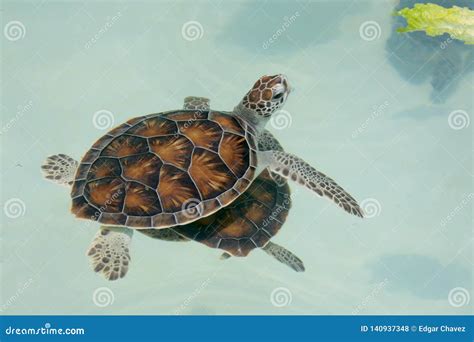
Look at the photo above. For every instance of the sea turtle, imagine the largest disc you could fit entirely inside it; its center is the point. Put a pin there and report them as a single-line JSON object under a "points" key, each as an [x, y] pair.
{"points": [[172, 168], [247, 223]]}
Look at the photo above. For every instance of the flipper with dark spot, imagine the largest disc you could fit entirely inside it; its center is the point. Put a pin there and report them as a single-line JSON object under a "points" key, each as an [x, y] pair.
{"points": [[60, 169], [284, 256], [109, 252]]}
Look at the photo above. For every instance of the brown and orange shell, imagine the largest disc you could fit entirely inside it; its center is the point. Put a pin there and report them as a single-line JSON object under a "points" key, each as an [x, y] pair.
{"points": [[247, 223], [165, 169]]}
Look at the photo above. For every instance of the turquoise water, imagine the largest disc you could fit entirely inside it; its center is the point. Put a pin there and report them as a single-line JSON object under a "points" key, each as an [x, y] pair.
{"points": [[386, 115]]}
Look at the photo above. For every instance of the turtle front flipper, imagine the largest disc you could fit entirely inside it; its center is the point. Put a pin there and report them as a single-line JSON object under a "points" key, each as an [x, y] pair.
{"points": [[267, 142], [284, 256], [296, 169], [109, 252], [225, 256], [196, 103], [60, 169]]}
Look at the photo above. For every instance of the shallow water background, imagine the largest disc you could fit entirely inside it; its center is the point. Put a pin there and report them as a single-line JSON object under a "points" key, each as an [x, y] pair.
{"points": [[385, 115]]}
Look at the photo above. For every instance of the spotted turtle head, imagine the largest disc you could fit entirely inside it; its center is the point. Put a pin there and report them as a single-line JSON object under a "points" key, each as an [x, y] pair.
{"points": [[267, 95]]}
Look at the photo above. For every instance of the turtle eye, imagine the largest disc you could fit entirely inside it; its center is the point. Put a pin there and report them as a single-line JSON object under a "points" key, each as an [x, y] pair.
{"points": [[278, 96]]}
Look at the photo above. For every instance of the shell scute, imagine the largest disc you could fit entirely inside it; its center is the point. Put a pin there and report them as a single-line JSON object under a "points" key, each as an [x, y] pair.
{"points": [[116, 219], [144, 168], [78, 188], [119, 130], [227, 122], [107, 194], [91, 156], [211, 175], [163, 220], [154, 126], [124, 146], [83, 209], [138, 221], [174, 149], [234, 151], [203, 133], [175, 189], [141, 200], [104, 167], [187, 115]]}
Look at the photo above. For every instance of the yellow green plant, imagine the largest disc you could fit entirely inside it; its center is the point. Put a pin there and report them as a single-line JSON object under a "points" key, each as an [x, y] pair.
{"points": [[436, 20]]}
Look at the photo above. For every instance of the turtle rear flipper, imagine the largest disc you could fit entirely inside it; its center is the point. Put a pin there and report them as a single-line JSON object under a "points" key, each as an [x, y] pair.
{"points": [[225, 256], [110, 251], [196, 103], [60, 169], [284, 256]]}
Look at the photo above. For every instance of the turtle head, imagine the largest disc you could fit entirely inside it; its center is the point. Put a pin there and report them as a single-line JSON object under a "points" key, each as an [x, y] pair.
{"points": [[267, 95]]}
